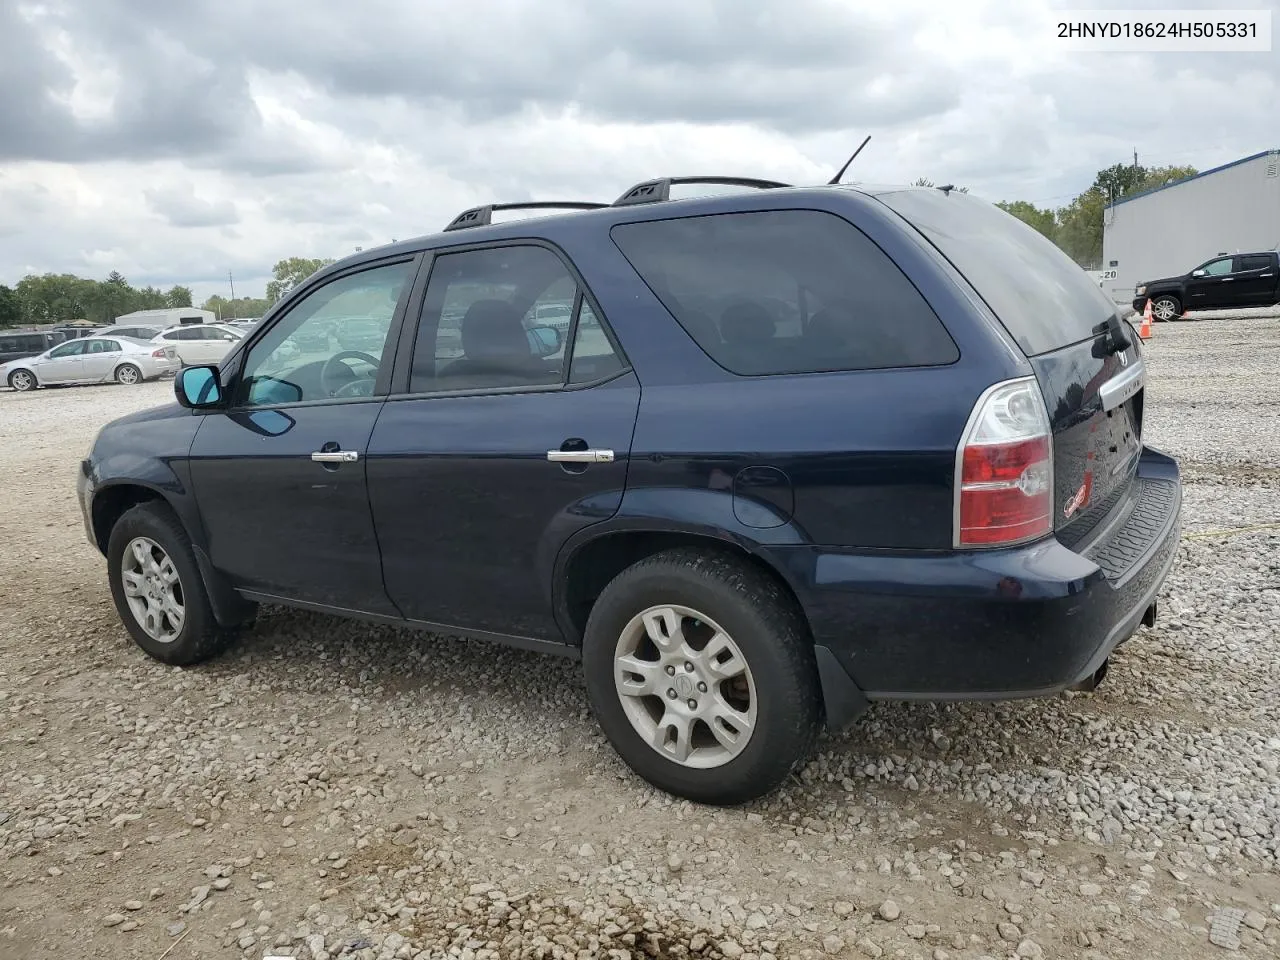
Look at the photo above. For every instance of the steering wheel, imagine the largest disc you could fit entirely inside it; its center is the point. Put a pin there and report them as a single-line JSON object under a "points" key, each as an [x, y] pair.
{"points": [[359, 387]]}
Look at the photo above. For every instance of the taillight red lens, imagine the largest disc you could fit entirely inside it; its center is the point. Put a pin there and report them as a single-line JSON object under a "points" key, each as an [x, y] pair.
{"points": [[157, 353], [1005, 471]]}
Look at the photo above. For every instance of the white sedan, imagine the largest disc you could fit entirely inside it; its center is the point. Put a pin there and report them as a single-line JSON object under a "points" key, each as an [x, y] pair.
{"points": [[91, 360], [199, 343]]}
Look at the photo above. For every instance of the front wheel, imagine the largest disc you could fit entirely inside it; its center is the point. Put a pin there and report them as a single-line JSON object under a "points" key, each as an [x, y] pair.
{"points": [[22, 380], [1165, 308], [157, 588], [700, 671], [128, 374]]}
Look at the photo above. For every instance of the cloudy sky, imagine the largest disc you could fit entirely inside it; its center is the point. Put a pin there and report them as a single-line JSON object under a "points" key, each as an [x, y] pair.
{"points": [[177, 140]]}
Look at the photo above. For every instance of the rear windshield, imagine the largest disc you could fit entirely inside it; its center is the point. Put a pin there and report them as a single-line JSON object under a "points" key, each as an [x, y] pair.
{"points": [[1043, 298]]}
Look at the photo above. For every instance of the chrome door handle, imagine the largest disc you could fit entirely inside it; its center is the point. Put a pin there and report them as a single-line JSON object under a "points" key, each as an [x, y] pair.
{"points": [[336, 456], [580, 456]]}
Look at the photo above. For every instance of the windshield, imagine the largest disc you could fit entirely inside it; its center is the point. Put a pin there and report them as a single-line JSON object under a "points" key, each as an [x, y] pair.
{"points": [[1041, 296]]}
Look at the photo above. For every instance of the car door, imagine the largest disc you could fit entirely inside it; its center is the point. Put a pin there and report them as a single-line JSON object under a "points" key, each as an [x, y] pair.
{"points": [[100, 358], [1255, 280], [65, 363], [279, 473], [496, 452], [1209, 286]]}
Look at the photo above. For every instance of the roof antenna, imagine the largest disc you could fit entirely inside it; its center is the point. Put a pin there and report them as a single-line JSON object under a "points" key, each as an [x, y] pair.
{"points": [[836, 179]]}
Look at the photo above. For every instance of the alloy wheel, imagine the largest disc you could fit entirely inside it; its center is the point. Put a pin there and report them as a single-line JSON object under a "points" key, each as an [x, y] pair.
{"points": [[153, 589], [685, 686]]}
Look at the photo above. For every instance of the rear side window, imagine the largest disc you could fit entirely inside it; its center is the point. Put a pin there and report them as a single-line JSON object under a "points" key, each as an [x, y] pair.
{"points": [[787, 291], [1255, 263], [1041, 296]]}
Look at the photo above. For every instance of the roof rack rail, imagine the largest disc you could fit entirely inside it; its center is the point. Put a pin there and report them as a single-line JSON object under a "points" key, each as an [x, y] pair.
{"points": [[656, 191], [483, 216]]}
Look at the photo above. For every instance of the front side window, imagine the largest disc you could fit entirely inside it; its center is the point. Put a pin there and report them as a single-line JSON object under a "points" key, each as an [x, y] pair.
{"points": [[1217, 268], [72, 349], [497, 319], [296, 360], [790, 291]]}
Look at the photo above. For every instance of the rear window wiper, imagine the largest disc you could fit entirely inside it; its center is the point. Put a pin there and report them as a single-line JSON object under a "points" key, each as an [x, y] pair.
{"points": [[1117, 338]]}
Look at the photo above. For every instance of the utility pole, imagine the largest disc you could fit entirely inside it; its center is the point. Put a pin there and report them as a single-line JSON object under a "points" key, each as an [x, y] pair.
{"points": [[231, 280]]}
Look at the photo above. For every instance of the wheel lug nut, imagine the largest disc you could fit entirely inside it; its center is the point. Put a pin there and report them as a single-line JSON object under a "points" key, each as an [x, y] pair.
{"points": [[702, 687], [688, 667], [671, 671], [671, 694], [693, 704]]}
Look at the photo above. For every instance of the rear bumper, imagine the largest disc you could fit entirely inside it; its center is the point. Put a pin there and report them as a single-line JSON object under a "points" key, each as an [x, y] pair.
{"points": [[994, 625]]}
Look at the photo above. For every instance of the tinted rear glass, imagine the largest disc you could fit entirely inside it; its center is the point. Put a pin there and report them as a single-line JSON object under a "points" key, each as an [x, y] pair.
{"points": [[1043, 298], [789, 291]]}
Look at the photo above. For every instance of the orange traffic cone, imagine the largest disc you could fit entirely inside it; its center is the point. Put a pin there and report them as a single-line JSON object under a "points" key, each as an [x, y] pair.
{"points": [[1144, 331]]}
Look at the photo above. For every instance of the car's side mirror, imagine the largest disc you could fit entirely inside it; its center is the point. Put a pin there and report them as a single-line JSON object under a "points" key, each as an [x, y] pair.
{"points": [[198, 388], [1197, 273]]}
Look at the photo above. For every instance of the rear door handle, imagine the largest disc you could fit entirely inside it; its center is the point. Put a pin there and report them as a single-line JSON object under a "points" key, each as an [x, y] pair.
{"points": [[336, 456], [580, 456]]}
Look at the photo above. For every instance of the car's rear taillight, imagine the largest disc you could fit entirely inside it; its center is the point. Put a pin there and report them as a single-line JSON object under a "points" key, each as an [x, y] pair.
{"points": [[158, 353], [1004, 468]]}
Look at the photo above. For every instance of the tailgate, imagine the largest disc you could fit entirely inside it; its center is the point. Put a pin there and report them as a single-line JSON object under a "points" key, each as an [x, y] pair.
{"points": [[1094, 398]]}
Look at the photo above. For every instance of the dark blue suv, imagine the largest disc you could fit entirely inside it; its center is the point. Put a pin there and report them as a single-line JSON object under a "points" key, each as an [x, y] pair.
{"points": [[797, 449]]}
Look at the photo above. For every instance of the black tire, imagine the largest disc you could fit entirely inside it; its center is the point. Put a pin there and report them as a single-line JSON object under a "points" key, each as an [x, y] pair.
{"points": [[201, 637], [22, 380], [1174, 305], [771, 633], [124, 377]]}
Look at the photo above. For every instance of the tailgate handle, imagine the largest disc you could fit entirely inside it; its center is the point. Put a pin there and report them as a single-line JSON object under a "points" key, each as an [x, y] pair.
{"points": [[1123, 386]]}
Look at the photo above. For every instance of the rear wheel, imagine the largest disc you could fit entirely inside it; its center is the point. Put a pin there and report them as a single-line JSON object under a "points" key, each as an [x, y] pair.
{"points": [[701, 673], [157, 587], [128, 374], [1166, 308], [22, 380]]}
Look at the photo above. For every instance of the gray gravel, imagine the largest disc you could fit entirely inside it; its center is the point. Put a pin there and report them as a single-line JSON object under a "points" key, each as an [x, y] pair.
{"points": [[334, 789]]}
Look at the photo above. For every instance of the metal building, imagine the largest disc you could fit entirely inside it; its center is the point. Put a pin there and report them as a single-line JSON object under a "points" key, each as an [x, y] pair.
{"points": [[166, 317], [1166, 232]]}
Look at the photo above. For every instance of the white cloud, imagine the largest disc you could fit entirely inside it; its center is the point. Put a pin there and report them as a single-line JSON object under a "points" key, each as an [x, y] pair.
{"points": [[177, 142]]}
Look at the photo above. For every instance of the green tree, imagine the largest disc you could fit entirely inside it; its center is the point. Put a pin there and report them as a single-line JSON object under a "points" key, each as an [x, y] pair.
{"points": [[1041, 220], [240, 307], [287, 274], [178, 297], [114, 298], [1079, 231], [1159, 176], [1119, 180], [55, 297], [10, 307]]}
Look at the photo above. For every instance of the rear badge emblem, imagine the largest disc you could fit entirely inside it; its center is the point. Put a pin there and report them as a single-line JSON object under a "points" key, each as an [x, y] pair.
{"points": [[1124, 358]]}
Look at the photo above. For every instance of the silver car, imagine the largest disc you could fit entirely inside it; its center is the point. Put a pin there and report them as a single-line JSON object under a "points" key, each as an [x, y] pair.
{"points": [[96, 359]]}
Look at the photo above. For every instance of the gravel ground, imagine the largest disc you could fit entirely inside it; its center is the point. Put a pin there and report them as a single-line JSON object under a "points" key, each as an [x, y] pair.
{"points": [[333, 789]]}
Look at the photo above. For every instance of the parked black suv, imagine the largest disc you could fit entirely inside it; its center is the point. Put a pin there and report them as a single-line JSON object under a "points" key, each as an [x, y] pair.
{"points": [[800, 449], [20, 344], [1225, 282]]}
